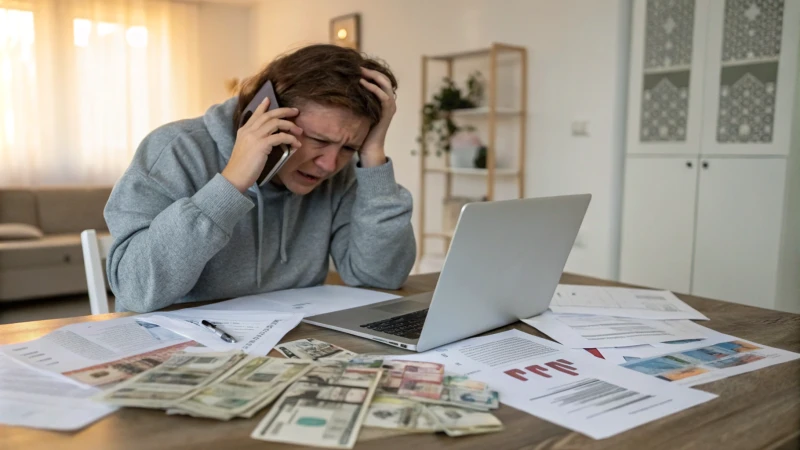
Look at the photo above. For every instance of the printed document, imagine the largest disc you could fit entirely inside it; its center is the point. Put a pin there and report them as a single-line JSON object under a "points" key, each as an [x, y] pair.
{"points": [[570, 388], [590, 331], [706, 363], [621, 302], [37, 399], [255, 332], [307, 301], [100, 353]]}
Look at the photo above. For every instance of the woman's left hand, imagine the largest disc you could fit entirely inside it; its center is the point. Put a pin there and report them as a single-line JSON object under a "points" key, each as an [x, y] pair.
{"points": [[373, 152]]}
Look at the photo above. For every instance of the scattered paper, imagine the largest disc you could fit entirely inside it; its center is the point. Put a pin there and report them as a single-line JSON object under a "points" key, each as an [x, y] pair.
{"points": [[100, 353], [38, 399], [706, 363], [307, 301], [570, 388], [621, 302], [255, 332], [325, 408], [314, 349], [590, 331]]}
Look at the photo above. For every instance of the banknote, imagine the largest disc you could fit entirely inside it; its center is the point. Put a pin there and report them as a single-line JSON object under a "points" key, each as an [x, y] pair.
{"points": [[313, 349], [400, 414], [325, 407], [172, 381], [248, 388], [460, 421]]}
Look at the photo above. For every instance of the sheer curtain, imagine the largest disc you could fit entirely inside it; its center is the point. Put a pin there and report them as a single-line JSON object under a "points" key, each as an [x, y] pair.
{"points": [[83, 81]]}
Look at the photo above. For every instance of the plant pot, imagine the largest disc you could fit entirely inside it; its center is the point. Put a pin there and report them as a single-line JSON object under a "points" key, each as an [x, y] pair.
{"points": [[462, 157]]}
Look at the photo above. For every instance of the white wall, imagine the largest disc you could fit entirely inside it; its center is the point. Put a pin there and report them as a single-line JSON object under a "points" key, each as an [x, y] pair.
{"points": [[226, 49], [577, 51]]}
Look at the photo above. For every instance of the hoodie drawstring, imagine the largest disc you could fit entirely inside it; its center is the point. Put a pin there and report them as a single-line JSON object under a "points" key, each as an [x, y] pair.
{"points": [[260, 204], [284, 226]]}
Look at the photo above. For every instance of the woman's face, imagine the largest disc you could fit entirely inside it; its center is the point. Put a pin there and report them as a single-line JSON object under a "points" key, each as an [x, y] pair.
{"points": [[330, 138]]}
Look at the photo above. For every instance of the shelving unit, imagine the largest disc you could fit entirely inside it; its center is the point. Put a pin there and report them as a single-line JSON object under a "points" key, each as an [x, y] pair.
{"points": [[491, 113]]}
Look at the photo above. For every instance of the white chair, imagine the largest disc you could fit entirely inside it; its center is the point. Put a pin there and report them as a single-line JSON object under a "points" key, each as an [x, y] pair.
{"points": [[95, 252]]}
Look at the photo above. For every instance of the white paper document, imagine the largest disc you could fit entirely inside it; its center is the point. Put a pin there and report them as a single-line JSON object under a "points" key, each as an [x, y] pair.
{"points": [[590, 331], [570, 388], [621, 302], [37, 399], [100, 353], [707, 362], [307, 301], [255, 332]]}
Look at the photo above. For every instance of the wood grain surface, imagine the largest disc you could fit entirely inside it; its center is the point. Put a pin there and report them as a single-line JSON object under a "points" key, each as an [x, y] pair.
{"points": [[757, 410]]}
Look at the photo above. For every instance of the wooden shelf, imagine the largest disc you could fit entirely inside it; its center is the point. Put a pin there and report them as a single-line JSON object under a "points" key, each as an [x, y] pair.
{"points": [[481, 52], [473, 171], [484, 111]]}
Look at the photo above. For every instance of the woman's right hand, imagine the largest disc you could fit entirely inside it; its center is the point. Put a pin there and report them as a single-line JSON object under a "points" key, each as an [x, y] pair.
{"points": [[255, 140]]}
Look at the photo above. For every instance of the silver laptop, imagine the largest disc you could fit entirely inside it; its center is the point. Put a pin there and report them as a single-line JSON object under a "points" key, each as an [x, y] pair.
{"points": [[504, 263]]}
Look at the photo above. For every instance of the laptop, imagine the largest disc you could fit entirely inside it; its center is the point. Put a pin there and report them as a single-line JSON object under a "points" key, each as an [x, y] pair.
{"points": [[504, 264]]}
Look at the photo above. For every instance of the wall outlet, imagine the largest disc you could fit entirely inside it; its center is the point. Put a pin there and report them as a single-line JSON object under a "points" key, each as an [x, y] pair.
{"points": [[580, 128]]}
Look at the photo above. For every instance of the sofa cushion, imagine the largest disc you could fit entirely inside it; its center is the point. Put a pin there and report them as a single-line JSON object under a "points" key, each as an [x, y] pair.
{"points": [[18, 206], [51, 250], [72, 210], [19, 231]]}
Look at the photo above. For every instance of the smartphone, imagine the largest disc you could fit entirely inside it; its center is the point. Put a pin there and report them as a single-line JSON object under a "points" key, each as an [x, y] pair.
{"points": [[280, 154]]}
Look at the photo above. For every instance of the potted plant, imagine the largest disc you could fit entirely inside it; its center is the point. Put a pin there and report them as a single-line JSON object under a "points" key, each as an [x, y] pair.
{"points": [[437, 115]]}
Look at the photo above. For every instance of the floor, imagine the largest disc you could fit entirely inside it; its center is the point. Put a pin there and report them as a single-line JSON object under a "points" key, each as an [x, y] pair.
{"points": [[48, 308]]}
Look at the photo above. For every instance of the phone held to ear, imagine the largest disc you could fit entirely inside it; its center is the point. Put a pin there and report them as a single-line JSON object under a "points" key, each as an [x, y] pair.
{"points": [[280, 154]]}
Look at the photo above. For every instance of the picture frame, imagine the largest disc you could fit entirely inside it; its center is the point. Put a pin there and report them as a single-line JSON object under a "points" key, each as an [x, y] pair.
{"points": [[345, 31]]}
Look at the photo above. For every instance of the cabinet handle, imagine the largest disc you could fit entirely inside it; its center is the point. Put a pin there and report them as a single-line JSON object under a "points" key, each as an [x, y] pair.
{"points": [[705, 164], [689, 164]]}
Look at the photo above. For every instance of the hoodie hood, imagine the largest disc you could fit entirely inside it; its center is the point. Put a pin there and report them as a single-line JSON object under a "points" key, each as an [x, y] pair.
{"points": [[219, 122]]}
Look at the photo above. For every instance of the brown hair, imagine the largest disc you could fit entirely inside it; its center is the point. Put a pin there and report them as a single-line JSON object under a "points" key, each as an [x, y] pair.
{"points": [[322, 73]]}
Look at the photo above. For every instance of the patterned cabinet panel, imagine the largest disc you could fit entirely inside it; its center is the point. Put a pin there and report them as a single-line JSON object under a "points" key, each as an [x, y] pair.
{"points": [[751, 76], [667, 53]]}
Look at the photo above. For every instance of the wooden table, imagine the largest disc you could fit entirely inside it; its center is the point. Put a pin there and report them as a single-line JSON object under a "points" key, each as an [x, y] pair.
{"points": [[759, 409]]}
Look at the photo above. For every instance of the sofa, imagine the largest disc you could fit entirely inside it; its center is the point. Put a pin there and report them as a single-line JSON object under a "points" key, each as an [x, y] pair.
{"points": [[49, 263]]}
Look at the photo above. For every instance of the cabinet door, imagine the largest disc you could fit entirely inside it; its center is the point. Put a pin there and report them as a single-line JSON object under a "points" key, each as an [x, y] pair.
{"points": [[658, 222], [739, 210], [751, 77], [666, 74]]}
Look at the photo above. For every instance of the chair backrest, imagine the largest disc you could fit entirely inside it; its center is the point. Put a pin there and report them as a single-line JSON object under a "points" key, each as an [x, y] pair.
{"points": [[95, 251]]}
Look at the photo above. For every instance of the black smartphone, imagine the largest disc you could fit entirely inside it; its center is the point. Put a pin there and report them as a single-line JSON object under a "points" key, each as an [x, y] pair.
{"points": [[280, 154]]}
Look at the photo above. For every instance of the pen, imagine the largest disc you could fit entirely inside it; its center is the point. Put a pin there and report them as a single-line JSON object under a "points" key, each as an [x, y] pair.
{"points": [[223, 335]]}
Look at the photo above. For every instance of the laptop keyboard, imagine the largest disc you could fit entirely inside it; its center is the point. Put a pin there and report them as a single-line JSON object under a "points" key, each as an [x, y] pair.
{"points": [[408, 325]]}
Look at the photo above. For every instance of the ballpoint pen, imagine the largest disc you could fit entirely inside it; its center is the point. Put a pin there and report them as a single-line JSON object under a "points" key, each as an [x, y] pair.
{"points": [[214, 329]]}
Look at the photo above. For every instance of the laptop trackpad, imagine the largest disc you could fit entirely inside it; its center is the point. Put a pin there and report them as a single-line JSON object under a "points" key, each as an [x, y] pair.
{"points": [[401, 307]]}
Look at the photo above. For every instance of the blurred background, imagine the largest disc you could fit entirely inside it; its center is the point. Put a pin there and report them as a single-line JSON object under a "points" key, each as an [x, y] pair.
{"points": [[680, 117]]}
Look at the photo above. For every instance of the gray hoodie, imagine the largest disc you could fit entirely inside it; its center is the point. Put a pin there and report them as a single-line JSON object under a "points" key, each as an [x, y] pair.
{"points": [[183, 233]]}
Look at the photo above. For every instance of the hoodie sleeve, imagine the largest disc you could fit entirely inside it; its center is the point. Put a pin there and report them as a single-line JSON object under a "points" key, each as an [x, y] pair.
{"points": [[373, 241], [162, 238]]}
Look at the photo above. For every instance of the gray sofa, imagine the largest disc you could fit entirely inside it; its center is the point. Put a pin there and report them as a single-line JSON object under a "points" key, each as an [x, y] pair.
{"points": [[50, 265]]}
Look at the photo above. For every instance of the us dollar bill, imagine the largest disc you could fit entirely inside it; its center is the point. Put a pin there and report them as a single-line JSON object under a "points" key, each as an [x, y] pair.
{"points": [[400, 414], [253, 385], [460, 421], [313, 349], [172, 381], [325, 407]]}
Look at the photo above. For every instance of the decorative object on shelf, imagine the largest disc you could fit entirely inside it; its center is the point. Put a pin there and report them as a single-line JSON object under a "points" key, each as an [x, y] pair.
{"points": [[437, 115], [345, 31], [464, 147], [480, 158]]}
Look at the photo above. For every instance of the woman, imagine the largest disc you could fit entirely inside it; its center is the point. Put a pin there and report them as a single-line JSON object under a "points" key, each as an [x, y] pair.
{"points": [[190, 222]]}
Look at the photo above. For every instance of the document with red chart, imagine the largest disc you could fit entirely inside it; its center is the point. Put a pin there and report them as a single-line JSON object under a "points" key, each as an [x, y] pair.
{"points": [[569, 388]]}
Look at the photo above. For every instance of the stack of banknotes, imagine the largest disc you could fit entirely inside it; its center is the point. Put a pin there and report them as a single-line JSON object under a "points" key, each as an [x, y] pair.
{"points": [[321, 394]]}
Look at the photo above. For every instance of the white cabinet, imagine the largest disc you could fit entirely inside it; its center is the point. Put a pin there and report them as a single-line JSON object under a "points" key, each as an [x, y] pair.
{"points": [[739, 212], [714, 83], [666, 189]]}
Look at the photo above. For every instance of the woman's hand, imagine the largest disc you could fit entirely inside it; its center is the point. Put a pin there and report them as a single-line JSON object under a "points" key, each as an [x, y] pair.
{"points": [[373, 152], [255, 140]]}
